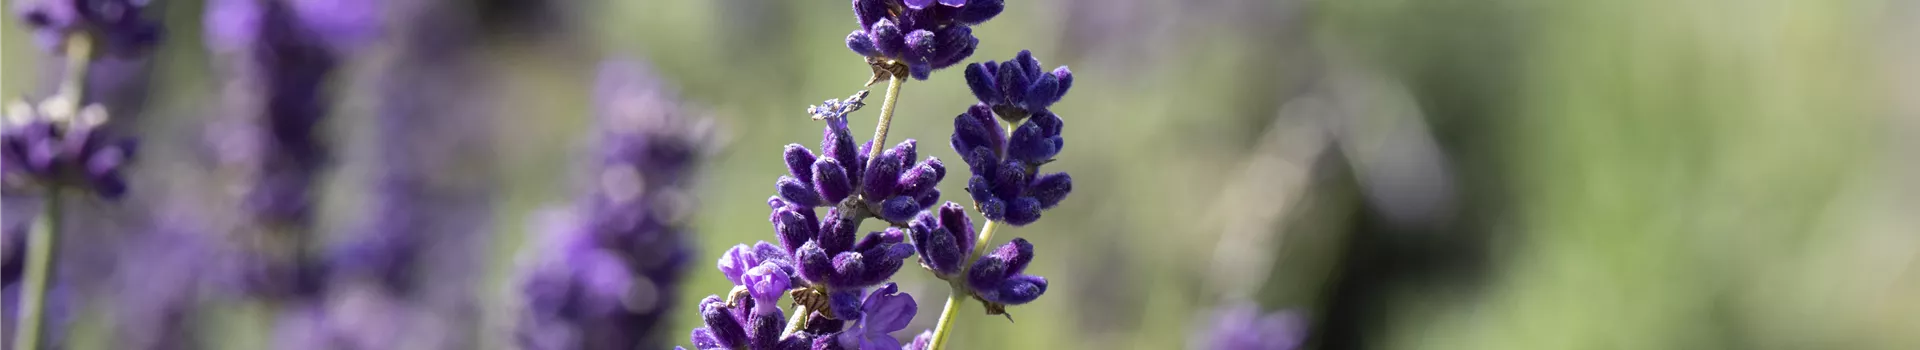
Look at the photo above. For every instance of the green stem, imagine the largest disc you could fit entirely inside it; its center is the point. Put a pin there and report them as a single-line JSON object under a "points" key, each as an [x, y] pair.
{"points": [[959, 283], [886, 116], [797, 321], [44, 241], [41, 244]]}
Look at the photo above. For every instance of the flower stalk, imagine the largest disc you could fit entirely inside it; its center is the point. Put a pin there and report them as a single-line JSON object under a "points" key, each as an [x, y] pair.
{"points": [[43, 241], [894, 82]]}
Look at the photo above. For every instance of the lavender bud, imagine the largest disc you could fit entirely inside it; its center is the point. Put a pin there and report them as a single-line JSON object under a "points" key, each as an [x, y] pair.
{"points": [[882, 176], [1050, 189], [797, 192], [799, 161], [978, 11], [831, 180], [794, 226], [722, 328]]}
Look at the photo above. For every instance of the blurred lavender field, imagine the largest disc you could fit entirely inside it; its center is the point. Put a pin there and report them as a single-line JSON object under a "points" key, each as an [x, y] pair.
{"points": [[1442, 174]]}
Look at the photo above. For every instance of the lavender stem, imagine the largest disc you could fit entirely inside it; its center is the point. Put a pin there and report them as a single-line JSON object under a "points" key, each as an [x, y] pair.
{"points": [[40, 248], [959, 293], [894, 81], [799, 320], [43, 241]]}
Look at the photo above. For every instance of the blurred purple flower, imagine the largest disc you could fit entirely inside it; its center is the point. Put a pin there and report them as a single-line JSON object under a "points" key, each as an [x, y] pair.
{"points": [[36, 150], [119, 27], [1243, 327], [623, 260]]}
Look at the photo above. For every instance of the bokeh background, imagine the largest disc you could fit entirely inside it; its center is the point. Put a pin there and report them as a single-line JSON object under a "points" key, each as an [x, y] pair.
{"points": [[1439, 174]]}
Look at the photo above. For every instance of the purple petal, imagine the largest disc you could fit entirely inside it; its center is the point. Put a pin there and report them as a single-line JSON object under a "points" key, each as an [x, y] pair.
{"points": [[918, 4], [899, 208], [767, 283], [922, 178], [735, 262]]}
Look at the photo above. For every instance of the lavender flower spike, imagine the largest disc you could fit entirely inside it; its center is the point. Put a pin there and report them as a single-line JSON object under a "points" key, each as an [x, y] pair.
{"points": [[120, 25], [1018, 88], [37, 149], [924, 35], [1006, 184], [627, 250]]}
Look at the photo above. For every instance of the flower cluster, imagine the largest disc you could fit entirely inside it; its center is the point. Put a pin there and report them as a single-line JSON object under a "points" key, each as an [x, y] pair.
{"points": [[119, 24], [49, 146], [1006, 183], [891, 187], [924, 35], [615, 266]]}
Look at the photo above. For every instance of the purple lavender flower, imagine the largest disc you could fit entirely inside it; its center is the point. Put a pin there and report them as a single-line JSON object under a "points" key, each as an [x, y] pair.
{"points": [[921, 34], [828, 256], [1017, 88], [629, 243], [892, 187], [1005, 184], [278, 72], [38, 150], [1000, 277], [119, 26], [1243, 327], [884, 311]]}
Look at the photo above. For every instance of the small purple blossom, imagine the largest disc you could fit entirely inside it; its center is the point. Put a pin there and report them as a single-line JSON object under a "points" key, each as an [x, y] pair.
{"points": [[1000, 277], [884, 311], [921, 34], [1244, 327]]}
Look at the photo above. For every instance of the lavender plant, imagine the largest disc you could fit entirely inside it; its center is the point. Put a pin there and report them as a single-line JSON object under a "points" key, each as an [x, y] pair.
{"points": [[818, 261], [59, 143], [612, 266]]}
